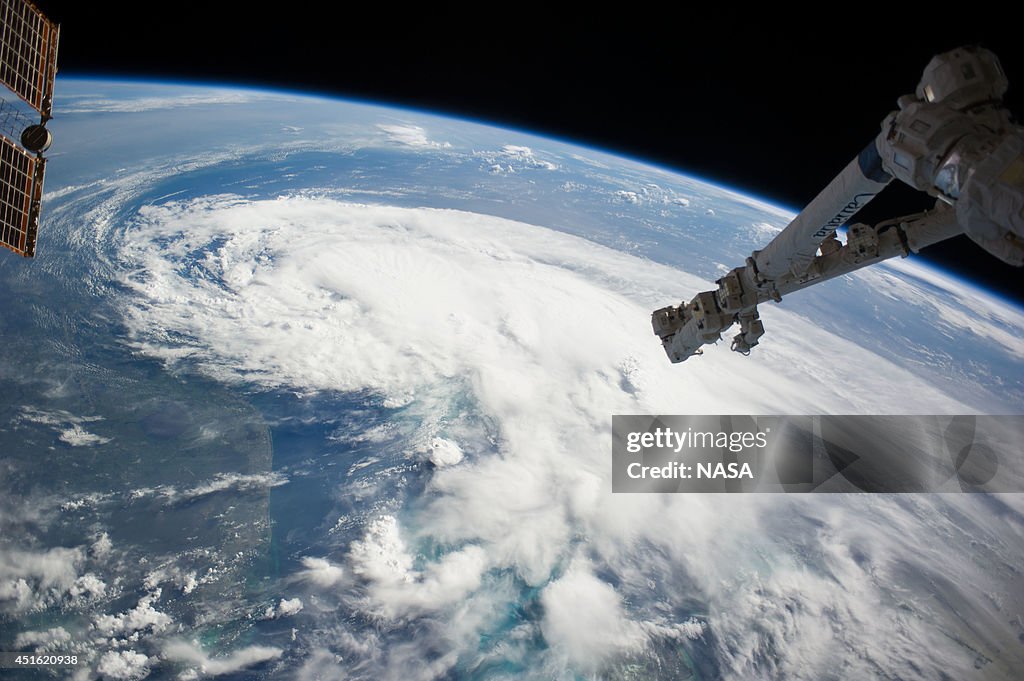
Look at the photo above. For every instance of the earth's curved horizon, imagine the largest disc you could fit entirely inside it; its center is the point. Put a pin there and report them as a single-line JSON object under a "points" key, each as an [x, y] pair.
{"points": [[300, 387], [453, 115]]}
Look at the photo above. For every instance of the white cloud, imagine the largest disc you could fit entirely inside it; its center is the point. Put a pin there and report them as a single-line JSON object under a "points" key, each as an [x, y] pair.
{"points": [[126, 665], [444, 452], [321, 572], [91, 500], [204, 665], [286, 608], [513, 158], [525, 157], [51, 418], [410, 136], [239, 482], [517, 151], [346, 280], [585, 621], [143, 617], [648, 193], [320, 665], [43, 640], [189, 582], [381, 556], [76, 436], [31, 580], [762, 232], [88, 587], [870, 552], [692, 628], [382, 559], [102, 546], [53, 568], [545, 335], [184, 100], [69, 426], [960, 306]]}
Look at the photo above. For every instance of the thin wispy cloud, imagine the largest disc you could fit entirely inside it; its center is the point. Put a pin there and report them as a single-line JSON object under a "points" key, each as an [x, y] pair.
{"points": [[205, 98]]}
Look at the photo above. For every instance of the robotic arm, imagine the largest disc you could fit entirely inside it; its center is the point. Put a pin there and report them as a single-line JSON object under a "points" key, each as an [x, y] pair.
{"points": [[952, 139]]}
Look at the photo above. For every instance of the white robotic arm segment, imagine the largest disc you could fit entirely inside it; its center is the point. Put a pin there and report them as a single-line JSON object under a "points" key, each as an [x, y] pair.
{"points": [[684, 329], [794, 248]]}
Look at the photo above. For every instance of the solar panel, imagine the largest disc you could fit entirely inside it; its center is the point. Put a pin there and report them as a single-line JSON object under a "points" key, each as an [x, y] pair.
{"points": [[28, 53], [28, 64], [21, 187]]}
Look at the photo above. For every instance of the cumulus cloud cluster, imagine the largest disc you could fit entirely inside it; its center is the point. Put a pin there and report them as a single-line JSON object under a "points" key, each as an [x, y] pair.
{"points": [[31, 580], [124, 665], [383, 561], [648, 193], [514, 158], [525, 156], [409, 135], [285, 608], [143, 617], [547, 335], [444, 452]]}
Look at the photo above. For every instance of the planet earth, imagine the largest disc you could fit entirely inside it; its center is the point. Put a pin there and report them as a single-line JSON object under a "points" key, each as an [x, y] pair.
{"points": [[303, 388]]}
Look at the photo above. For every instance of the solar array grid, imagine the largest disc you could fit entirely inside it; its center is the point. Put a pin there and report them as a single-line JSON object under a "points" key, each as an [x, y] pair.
{"points": [[28, 64], [28, 53], [19, 197]]}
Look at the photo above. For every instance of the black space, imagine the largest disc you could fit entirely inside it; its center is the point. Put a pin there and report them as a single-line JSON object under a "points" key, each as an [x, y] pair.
{"points": [[768, 106]]}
